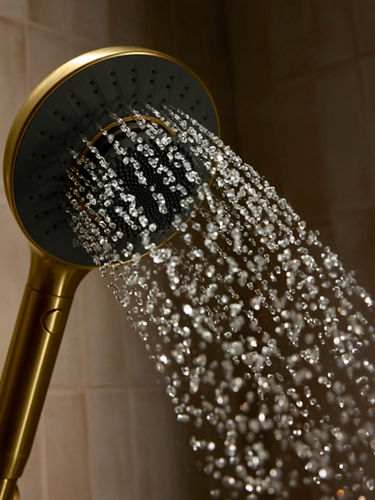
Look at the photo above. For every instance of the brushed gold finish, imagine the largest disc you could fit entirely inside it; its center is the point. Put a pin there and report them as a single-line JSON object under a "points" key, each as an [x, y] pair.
{"points": [[47, 298], [8, 489], [31, 357]]}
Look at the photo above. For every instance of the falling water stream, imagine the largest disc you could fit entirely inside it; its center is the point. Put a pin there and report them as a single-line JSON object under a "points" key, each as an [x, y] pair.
{"points": [[263, 340]]}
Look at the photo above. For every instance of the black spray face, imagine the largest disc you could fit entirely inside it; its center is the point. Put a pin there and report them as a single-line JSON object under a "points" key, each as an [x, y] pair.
{"points": [[134, 185], [72, 106]]}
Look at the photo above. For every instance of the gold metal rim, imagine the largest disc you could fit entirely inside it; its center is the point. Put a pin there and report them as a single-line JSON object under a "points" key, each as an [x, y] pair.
{"points": [[39, 95]]}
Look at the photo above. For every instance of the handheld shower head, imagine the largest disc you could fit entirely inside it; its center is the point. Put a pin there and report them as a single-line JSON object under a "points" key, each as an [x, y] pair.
{"points": [[67, 105], [70, 104]]}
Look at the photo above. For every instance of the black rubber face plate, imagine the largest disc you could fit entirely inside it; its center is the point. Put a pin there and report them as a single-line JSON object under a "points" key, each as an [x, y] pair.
{"points": [[74, 110]]}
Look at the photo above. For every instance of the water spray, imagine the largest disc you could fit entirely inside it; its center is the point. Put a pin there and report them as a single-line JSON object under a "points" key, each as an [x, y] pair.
{"points": [[262, 338]]}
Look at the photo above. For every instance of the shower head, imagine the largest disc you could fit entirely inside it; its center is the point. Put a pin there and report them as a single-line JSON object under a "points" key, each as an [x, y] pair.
{"points": [[68, 105]]}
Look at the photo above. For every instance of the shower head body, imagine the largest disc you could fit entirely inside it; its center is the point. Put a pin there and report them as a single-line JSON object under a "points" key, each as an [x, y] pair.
{"points": [[67, 105]]}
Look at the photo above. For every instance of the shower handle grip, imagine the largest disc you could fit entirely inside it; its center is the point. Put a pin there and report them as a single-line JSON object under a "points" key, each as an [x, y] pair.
{"points": [[29, 364]]}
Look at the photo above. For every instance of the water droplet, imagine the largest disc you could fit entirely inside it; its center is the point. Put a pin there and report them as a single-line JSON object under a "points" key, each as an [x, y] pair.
{"points": [[187, 309]]}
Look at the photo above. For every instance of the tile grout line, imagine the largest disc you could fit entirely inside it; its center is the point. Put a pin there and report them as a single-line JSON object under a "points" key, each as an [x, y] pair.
{"points": [[61, 390], [85, 388], [70, 31], [84, 340], [133, 445], [89, 445], [362, 90], [43, 461], [27, 53]]}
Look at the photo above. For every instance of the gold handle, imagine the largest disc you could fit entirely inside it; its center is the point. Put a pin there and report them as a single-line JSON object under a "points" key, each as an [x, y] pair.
{"points": [[29, 364], [9, 489]]}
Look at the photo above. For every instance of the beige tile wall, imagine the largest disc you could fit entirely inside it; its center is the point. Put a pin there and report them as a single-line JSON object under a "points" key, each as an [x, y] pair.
{"points": [[310, 87], [294, 84], [13, 84]]}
